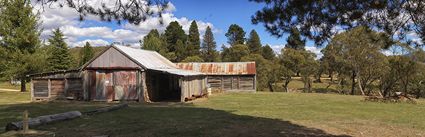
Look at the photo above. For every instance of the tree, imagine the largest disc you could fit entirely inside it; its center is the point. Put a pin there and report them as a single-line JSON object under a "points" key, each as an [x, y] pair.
{"points": [[294, 61], [60, 59], [294, 40], [193, 40], [267, 74], [180, 51], [193, 59], [254, 42], [267, 52], [86, 53], [235, 35], [359, 48], [153, 41], [235, 53], [317, 20], [19, 39], [208, 49], [173, 34]]}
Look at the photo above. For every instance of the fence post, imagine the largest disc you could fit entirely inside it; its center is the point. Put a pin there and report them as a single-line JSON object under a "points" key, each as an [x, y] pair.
{"points": [[25, 121]]}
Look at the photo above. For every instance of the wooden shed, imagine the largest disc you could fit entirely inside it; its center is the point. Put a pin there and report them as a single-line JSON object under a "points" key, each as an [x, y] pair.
{"points": [[226, 76], [57, 85], [125, 73]]}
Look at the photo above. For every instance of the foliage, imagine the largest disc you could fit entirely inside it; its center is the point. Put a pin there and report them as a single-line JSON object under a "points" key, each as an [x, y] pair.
{"points": [[317, 20], [60, 59], [19, 41], [266, 77], [86, 53], [234, 53], [208, 49], [193, 59], [254, 42], [267, 52], [294, 40], [193, 40], [174, 33], [235, 35], [298, 61], [153, 41], [357, 52]]}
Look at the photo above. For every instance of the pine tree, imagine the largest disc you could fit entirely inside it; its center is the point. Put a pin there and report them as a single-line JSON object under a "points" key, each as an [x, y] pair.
{"points": [[193, 40], [86, 53], [294, 40], [209, 53], [254, 42], [235, 35], [267, 52], [60, 59], [180, 51], [172, 35], [152, 41], [19, 39]]}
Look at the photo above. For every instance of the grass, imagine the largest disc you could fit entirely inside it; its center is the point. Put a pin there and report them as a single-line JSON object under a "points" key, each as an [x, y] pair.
{"points": [[237, 114]]}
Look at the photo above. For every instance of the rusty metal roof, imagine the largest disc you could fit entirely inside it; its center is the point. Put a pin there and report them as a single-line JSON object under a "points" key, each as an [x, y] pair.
{"points": [[153, 60], [220, 68]]}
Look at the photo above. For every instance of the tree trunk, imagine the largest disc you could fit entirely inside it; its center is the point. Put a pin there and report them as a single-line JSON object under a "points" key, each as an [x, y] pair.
{"points": [[360, 87], [23, 83], [271, 87], [353, 80], [41, 120]]}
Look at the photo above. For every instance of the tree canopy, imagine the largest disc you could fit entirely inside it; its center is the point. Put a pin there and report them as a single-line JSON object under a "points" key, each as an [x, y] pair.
{"points": [[318, 20], [254, 42], [193, 40], [235, 35]]}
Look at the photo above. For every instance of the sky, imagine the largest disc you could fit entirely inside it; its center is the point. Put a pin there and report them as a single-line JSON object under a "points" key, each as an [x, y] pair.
{"points": [[218, 14]]}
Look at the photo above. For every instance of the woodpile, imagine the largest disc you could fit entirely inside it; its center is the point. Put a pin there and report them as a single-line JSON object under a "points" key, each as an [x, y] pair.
{"points": [[195, 97]]}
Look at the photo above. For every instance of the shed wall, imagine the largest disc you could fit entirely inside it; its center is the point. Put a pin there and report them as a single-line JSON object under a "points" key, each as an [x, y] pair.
{"points": [[232, 83]]}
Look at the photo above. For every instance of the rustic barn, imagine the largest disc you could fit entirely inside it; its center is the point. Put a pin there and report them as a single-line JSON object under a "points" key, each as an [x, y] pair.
{"points": [[125, 73], [57, 85], [226, 76]]}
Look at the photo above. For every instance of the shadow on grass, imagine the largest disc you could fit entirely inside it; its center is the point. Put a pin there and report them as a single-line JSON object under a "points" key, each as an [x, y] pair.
{"points": [[162, 119]]}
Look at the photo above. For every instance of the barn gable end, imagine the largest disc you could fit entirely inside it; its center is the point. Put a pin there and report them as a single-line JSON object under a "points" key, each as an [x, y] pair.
{"points": [[112, 59]]}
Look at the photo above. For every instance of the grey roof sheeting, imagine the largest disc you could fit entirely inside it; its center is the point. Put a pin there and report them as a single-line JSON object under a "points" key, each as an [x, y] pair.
{"points": [[154, 61]]}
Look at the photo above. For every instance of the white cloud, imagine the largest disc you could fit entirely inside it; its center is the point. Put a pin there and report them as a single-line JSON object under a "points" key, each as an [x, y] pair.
{"points": [[95, 42], [77, 32], [313, 49]]}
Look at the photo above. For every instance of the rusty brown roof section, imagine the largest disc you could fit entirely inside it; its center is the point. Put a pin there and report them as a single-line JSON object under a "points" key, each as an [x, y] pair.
{"points": [[220, 68]]}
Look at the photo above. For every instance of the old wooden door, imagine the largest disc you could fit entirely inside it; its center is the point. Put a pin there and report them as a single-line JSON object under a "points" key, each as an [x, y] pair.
{"points": [[104, 86], [125, 85]]}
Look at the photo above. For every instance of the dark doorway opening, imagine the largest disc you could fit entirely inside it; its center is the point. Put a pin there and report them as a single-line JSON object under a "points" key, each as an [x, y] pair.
{"points": [[163, 87]]}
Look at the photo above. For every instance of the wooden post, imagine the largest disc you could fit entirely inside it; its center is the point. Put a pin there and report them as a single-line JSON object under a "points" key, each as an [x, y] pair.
{"points": [[32, 90], [25, 121], [49, 87]]}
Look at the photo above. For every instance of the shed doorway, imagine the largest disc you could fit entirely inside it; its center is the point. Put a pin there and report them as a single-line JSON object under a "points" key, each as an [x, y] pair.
{"points": [[163, 87]]}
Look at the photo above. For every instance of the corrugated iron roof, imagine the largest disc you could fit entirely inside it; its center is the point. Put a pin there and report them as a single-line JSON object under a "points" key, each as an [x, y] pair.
{"points": [[154, 61], [220, 68]]}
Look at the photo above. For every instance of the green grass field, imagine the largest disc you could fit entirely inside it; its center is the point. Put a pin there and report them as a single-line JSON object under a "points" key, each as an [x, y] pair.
{"points": [[235, 114]]}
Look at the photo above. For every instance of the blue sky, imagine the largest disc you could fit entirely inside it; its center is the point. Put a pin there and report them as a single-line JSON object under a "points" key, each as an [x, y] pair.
{"points": [[219, 14]]}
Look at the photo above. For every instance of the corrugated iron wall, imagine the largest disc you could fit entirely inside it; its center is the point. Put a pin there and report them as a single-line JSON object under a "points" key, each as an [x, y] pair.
{"points": [[220, 68]]}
